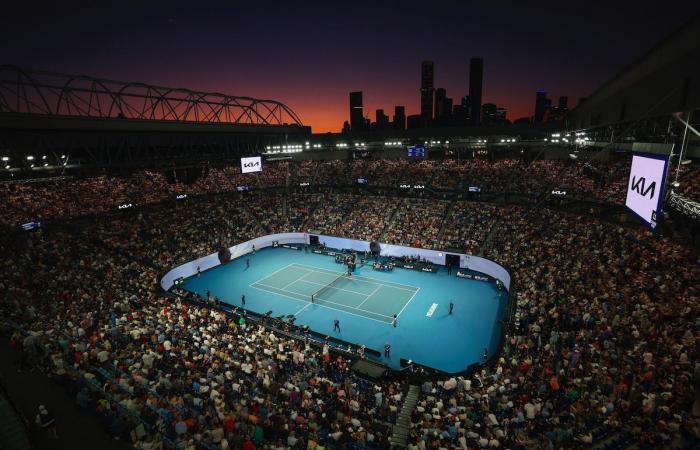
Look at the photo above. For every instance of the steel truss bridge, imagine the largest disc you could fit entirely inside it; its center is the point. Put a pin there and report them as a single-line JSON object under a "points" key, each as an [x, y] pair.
{"points": [[105, 123]]}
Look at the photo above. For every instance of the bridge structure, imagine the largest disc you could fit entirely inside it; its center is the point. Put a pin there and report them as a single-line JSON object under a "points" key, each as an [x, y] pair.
{"points": [[53, 121]]}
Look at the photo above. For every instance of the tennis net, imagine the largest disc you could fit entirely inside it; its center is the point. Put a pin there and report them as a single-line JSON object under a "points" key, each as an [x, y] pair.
{"points": [[315, 295]]}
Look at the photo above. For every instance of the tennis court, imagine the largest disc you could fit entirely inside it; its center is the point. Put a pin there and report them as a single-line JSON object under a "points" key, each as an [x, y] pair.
{"points": [[359, 295], [281, 281]]}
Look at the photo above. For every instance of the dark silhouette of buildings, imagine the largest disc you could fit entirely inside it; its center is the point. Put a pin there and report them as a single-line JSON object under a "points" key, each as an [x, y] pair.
{"points": [[381, 120], [414, 121], [443, 107], [541, 105], [563, 100], [476, 79], [559, 112], [460, 113], [440, 96], [357, 120], [399, 118], [439, 110], [426, 91], [492, 114]]}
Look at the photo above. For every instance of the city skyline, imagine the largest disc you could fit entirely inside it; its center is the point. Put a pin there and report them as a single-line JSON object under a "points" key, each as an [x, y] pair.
{"points": [[310, 56]]}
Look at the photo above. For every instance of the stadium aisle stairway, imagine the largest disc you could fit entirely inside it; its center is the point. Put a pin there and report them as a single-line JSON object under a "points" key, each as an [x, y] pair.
{"points": [[400, 436], [445, 221]]}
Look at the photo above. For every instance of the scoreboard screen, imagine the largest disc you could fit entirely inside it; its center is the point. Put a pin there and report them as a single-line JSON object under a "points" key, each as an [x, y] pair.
{"points": [[416, 151]]}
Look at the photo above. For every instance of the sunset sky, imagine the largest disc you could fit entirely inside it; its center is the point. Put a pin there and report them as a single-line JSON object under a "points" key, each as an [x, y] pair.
{"points": [[310, 54]]}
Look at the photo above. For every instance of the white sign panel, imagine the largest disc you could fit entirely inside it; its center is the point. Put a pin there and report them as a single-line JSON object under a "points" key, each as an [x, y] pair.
{"points": [[251, 164], [645, 187]]}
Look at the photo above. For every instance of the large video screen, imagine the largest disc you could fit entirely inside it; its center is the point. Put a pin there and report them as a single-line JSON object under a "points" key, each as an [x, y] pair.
{"points": [[645, 187], [251, 164], [415, 151]]}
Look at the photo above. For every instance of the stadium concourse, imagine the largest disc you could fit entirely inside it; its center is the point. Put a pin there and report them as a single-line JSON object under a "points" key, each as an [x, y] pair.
{"points": [[602, 352]]}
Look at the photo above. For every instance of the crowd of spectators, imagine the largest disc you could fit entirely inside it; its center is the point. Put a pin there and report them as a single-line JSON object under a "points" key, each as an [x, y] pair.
{"points": [[417, 223], [604, 341], [605, 344], [169, 371], [604, 181], [364, 217], [467, 226]]}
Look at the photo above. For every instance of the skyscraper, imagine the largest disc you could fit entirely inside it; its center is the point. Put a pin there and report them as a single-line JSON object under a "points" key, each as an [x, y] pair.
{"points": [[381, 120], [563, 101], [541, 102], [460, 112], [440, 96], [357, 121], [558, 113], [399, 118], [492, 114], [426, 91], [476, 79]]}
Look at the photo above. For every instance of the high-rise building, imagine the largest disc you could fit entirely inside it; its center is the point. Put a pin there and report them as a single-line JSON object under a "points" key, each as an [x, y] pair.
{"points": [[399, 118], [541, 102], [426, 91], [460, 112], [381, 120], [492, 114], [559, 112], [447, 108], [440, 96], [476, 80], [563, 100], [357, 121], [414, 121]]}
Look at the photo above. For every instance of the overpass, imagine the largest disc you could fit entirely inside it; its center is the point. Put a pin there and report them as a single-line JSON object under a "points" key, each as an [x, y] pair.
{"points": [[66, 121]]}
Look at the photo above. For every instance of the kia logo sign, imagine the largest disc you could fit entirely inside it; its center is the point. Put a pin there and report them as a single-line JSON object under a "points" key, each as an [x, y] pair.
{"points": [[638, 185], [645, 186], [251, 164]]}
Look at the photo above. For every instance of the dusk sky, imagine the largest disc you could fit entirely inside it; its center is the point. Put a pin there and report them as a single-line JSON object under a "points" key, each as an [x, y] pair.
{"points": [[310, 54]]}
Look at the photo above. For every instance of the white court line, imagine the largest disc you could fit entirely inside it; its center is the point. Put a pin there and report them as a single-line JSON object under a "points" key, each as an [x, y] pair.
{"points": [[324, 300], [323, 306], [270, 292], [373, 292], [298, 279], [409, 301], [407, 287], [302, 309], [276, 271], [333, 287]]}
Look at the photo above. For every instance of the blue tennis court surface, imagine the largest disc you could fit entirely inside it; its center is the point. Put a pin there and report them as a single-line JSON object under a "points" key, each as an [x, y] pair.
{"points": [[360, 295], [284, 281]]}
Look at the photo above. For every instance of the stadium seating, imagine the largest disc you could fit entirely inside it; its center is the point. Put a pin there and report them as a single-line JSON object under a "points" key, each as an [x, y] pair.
{"points": [[602, 346]]}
